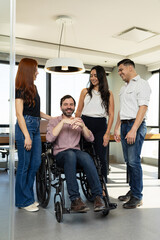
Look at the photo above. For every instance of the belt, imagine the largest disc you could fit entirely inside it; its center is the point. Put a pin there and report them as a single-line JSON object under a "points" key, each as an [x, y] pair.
{"points": [[127, 120]]}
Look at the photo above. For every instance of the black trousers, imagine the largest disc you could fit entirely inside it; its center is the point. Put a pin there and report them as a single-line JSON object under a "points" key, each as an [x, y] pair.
{"points": [[98, 127]]}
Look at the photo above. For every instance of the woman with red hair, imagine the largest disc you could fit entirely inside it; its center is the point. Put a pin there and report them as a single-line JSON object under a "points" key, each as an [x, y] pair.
{"points": [[27, 133]]}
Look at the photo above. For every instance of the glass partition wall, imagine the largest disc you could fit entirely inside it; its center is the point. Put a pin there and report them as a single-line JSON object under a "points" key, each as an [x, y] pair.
{"points": [[150, 149], [12, 119], [7, 116], [59, 87]]}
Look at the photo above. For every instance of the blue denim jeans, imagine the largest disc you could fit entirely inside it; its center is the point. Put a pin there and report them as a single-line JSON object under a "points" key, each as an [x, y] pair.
{"points": [[28, 162], [132, 158], [69, 160]]}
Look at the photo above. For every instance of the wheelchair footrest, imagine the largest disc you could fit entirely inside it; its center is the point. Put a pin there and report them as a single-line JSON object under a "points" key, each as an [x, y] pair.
{"points": [[112, 206], [78, 212], [66, 210], [71, 211]]}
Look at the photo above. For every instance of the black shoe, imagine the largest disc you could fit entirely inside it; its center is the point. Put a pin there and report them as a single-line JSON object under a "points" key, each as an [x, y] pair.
{"points": [[133, 203], [99, 204], [125, 197]]}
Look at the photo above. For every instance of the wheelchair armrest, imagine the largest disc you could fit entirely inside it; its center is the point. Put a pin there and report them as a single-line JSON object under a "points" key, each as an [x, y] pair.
{"points": [[48, 145], [89, 147], [85, 146]]}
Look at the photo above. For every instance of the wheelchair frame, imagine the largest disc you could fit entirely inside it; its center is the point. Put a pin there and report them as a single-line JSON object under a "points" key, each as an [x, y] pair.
{"points": [[49, 175]]}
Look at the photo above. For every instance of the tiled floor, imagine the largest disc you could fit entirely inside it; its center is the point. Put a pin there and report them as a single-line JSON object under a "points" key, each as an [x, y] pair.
{"points": [[121, 224]]}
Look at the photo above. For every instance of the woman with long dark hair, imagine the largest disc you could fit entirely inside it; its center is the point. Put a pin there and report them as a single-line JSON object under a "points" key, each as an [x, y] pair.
{"points": [[27, 133], [96, 103]]}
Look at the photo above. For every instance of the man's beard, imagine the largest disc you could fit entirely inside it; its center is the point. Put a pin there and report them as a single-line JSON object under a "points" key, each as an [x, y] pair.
{"points": [[68, 114]]}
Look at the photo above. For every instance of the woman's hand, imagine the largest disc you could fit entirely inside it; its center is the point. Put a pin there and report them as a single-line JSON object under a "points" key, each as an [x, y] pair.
{"points": [[117, 137], [106, 139], [28, 143]]}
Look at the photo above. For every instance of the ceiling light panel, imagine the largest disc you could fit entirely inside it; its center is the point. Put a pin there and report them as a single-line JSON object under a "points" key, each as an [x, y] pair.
{"points": [[135, 34]]}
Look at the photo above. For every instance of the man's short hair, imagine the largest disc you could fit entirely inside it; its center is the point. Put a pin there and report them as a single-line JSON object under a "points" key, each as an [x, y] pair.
{"points": [[126, 62], [66, 97]]}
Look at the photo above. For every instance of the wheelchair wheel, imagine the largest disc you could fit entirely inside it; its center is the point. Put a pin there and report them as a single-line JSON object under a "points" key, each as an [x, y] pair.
{"points": [[58, 212], [105, 212], [85, 187], [43, 182]]}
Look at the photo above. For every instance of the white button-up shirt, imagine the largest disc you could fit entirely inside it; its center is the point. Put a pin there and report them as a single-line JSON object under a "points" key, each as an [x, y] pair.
{"points": [[133, 95]]}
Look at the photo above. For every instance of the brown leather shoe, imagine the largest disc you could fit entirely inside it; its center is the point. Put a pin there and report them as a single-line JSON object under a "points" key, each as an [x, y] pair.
{"points": [[78, 205], [99, 204]]}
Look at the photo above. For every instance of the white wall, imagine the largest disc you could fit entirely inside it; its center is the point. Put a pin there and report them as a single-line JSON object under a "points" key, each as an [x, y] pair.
{"points": [[115, 83]]}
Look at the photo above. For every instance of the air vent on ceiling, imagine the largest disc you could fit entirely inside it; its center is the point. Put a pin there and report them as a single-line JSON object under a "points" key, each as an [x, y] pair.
{"points": [[135, 34]]}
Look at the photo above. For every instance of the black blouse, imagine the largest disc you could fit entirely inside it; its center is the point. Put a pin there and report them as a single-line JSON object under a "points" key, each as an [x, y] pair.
{"points": [[32, 110]]}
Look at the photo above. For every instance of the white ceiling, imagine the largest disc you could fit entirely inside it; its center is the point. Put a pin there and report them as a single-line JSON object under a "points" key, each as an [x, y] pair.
{"points": [[91, 36]]}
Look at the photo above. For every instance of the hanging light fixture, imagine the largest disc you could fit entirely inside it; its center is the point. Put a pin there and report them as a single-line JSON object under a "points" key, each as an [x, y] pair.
{"points": [[64, 65]]}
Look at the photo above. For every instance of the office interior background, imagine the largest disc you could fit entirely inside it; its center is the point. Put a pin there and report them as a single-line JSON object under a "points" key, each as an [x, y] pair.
{"points": [[100, 33]]}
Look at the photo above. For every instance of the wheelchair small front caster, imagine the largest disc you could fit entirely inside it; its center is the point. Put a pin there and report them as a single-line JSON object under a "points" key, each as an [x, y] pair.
{"points": [[58, 212], [105, 212]]}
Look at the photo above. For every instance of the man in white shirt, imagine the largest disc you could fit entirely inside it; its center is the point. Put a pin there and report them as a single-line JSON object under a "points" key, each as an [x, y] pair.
{"points": [[134, 100]]}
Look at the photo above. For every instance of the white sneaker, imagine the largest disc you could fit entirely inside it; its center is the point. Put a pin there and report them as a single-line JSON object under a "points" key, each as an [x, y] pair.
{"points": [[31, 208], [36, 204]]}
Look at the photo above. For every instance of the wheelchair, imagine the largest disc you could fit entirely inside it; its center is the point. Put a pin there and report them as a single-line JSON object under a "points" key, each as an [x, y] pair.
{"points": [[49, 175]]}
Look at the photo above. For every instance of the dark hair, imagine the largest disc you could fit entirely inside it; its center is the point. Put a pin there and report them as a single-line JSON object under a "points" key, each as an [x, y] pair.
{"points": [[103, 86], [25, 79], [66, 97], [126, 62]]}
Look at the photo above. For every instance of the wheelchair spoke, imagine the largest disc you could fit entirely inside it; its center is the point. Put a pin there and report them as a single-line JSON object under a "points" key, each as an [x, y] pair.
{"points": [[85, 186], [43, 181]]}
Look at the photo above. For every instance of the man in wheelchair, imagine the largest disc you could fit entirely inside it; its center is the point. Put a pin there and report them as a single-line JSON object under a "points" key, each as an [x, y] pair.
{"points": [[65, 132]]}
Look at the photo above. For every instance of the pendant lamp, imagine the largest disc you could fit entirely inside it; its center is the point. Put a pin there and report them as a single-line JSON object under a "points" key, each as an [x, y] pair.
{"points": [[64, 65]]}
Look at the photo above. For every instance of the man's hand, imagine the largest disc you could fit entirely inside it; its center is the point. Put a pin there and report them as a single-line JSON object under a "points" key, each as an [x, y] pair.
{"points": [[77, 122], [131, 136], [74, 122], [67, 120]]}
